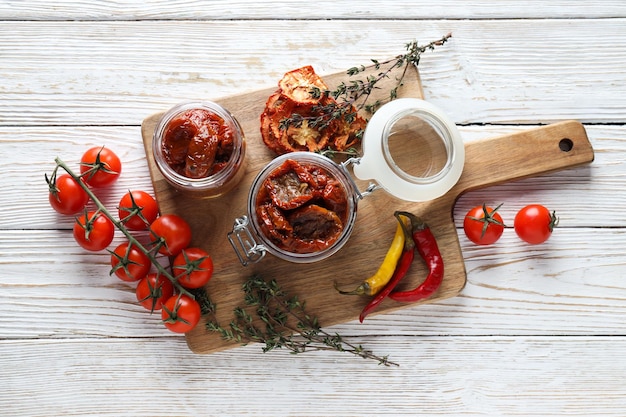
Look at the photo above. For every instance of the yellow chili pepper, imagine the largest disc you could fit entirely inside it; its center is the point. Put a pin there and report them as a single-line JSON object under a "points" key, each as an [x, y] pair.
{"points": [[376, 282]]}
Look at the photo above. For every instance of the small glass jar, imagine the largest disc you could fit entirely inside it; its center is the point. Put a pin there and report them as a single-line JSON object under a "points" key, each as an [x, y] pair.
{"points": [[214, 164], [251, 238]]}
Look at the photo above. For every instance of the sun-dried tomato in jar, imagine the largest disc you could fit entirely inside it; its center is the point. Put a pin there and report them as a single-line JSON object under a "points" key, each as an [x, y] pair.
{"points": [[197, 143], [301, 207], [199, 148]]}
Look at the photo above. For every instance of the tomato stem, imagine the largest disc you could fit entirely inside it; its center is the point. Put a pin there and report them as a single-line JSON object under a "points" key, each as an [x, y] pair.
{"points": [[120, 226], [488, 218], [554, 221], [96, 167]]}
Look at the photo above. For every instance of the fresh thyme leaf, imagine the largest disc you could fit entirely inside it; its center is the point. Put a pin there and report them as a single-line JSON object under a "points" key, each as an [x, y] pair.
{"points": [[206, 305]]}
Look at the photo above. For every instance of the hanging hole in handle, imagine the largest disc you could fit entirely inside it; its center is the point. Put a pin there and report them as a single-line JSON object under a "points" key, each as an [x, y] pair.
{"points": [[566, 144]]}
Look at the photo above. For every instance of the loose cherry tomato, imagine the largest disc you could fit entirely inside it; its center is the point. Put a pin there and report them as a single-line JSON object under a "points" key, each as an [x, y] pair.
{"points": [[171, 233], [94, 231], [66, 195], [100, 166], [193, 268], [153, 290], [180, 313], [482, 225], [137, 210], [534, 223], [129, 263]]}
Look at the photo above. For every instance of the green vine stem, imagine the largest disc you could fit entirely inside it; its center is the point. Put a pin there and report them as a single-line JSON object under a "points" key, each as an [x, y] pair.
{"points": [[120, 226]]}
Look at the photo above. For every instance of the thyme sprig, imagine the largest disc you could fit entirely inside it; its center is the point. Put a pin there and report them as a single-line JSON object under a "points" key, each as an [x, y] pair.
{"points": [[277, 320], [362, 89], [353, 96]]}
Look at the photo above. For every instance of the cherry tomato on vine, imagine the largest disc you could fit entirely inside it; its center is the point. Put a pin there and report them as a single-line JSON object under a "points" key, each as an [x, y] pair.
{"points": [[66, 195], [100, 166], [93, 231], [153, 290], [534, 223], [171, 233], [137, 210], [193, 268], [483, 225], [180, 313], [128, 263]]}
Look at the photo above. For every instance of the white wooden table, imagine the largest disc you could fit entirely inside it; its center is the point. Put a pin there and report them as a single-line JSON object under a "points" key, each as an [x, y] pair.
{"points": [[536, 331]]}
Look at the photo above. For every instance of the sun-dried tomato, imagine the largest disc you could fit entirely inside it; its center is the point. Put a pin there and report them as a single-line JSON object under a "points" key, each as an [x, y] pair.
{"points": [[197, 143], [334, 197], [297, 85], [315, 228], [346, 134], [178, 135], [301, 207], [201, 155], [291, 185], [312, 124], [288, 191], [268, 137], [275, 223]]}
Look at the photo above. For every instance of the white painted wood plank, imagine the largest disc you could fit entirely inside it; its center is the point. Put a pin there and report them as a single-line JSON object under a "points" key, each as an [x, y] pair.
{"points": [[585, 196], [577, 274], [116, 73], [469, 376], [572, 285], [323, 9], [582, 196], [25, 192], [72, 339]]}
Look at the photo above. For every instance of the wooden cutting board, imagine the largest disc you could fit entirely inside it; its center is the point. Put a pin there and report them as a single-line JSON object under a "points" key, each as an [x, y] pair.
{"points": [[488, 162]]}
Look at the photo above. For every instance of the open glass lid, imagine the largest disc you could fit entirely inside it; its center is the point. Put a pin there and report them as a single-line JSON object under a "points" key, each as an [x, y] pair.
{"points": [[412, 150]]}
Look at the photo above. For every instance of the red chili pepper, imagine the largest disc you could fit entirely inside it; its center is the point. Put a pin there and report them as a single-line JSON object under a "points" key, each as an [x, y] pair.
{"points": [[404, 263], [426, 245]]}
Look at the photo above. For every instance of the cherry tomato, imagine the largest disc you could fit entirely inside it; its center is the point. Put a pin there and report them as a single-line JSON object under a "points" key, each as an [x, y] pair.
{"points": [[66, 195], [94, 232], [483, 225], [534, 223], [180, 313], [137, 209], [129, 263], [193, 268], [171, 233], [153, 290], [100, 166]]}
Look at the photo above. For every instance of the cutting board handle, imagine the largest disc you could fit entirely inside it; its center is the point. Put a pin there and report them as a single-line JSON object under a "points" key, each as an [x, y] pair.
{"points": [[528, 153]]}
